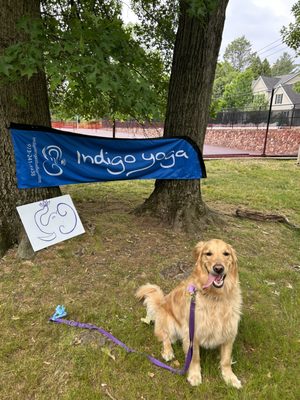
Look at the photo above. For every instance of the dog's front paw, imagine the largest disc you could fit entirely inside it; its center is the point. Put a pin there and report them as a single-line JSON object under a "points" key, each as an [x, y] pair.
{"points": [[168, 355], [232, 380], [194, 379]]}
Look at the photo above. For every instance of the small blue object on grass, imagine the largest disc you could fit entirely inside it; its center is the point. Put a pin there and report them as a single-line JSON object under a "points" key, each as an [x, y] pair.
{"points": [[60, 312]]}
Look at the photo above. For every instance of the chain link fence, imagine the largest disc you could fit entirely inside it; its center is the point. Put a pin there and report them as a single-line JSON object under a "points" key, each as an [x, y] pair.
{"points": [[280, 116]]}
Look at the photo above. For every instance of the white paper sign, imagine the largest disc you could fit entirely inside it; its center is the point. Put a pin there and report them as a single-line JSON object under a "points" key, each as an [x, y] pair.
{"points": [[48, 222]]}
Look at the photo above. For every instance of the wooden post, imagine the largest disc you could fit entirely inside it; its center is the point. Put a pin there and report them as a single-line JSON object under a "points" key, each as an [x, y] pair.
{"points": [[298, 159]]}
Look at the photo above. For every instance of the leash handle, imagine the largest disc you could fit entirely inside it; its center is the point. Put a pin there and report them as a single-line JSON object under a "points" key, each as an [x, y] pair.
{"points": [[153, 360]]}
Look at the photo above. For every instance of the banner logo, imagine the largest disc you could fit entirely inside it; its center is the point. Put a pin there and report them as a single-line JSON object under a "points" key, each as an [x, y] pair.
{"points": [[53, 157]]}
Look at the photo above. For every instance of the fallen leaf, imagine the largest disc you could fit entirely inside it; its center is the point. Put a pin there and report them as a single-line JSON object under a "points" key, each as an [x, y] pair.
{"points": [[270, 283], [151, 374], [107, 351], [77, 341]]}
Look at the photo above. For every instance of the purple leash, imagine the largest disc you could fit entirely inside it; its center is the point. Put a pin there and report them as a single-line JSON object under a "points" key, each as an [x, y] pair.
{"points": [[60, 312]]}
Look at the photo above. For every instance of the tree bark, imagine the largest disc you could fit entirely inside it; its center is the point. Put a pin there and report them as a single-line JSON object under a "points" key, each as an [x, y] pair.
{"points": [[24, 101], [196, 50]]}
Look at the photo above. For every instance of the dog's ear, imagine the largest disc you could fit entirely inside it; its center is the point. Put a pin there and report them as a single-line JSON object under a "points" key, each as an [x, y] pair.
{"points": [[198, 249], [233, 254], [234, 257]]}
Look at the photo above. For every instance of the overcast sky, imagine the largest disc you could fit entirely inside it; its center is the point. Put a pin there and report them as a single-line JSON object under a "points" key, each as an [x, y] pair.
{"points": [[260, 21]]}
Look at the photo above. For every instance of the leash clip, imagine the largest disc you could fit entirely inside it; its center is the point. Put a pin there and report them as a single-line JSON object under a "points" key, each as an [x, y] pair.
{"points": [[192, 291]]}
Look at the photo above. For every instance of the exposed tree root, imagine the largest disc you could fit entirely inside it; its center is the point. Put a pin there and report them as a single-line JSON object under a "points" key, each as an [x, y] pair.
{"points": [[190, 219], [259, 216]]}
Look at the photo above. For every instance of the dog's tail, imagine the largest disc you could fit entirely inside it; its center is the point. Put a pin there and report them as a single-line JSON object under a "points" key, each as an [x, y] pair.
{"points": [[153, 297]]}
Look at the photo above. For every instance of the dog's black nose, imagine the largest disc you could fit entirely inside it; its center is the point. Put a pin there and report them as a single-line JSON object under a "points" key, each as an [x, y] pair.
{"points": [[218, 269]]}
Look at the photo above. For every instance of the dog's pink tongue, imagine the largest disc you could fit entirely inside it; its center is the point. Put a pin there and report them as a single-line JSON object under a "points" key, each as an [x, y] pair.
{"points": [[210, 280]]}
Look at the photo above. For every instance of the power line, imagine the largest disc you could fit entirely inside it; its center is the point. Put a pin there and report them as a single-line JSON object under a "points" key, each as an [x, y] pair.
{"points": [[275, 52], [273, 47], [275, 41]]}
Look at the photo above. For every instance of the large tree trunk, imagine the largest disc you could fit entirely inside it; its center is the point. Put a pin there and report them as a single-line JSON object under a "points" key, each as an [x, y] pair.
{"points": [[24, 101], [197, 45]]}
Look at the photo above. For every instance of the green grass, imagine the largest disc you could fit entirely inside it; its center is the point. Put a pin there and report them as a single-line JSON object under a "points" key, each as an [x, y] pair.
{"points": [[95, 276]]}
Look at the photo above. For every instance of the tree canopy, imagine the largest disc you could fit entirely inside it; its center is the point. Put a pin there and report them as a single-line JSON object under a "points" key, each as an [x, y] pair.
{"points": [[225, 73], [260, 67], [291, 33], [157, 26], [239, 53], [283, 65], [238, 93], [94, 65]]}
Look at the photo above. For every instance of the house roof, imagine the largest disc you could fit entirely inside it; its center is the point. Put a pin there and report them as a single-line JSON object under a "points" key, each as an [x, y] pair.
{"points": [[275, 81], [294, 96], [270, 82]]}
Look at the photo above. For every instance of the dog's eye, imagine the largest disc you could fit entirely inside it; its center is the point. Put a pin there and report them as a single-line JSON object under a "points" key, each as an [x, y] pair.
{"points": [[208, 253], [226, 254]]}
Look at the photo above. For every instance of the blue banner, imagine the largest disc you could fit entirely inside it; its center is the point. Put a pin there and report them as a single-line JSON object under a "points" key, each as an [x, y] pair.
{"points": [[50, 157]]}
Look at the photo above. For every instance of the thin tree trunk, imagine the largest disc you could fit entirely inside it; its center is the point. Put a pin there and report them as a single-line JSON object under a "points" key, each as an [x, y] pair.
{"points": [[197, 45], [24, 101]]}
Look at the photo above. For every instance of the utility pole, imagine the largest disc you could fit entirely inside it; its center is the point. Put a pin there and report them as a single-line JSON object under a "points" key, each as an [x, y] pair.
{"points": [[292, 117], [268, 123], [114, 128]]}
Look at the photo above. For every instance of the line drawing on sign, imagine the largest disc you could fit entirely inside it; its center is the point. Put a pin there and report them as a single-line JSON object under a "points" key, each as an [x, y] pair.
{"points": [[62, 220]]}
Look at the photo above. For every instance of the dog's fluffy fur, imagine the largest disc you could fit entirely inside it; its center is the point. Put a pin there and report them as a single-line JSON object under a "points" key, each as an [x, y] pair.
{"points": [[218, 309]]}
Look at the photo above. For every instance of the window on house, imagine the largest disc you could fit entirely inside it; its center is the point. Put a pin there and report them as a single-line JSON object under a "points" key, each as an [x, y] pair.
{"points": [[278, 98]]}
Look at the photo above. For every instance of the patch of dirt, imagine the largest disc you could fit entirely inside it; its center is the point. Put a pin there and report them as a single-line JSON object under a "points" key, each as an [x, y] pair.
{"points": [[92, 338], [180, 270]]}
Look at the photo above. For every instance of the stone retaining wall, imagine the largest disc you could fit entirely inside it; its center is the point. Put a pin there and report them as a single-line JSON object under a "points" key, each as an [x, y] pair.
{"points": [[280, 141]]}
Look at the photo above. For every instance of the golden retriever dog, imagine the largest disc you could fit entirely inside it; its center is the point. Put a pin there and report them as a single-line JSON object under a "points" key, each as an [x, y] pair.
{"points": [[217, 311]]}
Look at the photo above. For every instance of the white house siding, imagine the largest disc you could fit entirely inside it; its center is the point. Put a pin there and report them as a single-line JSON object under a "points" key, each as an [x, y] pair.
{"points": [[260, 88], [286, 102]]}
